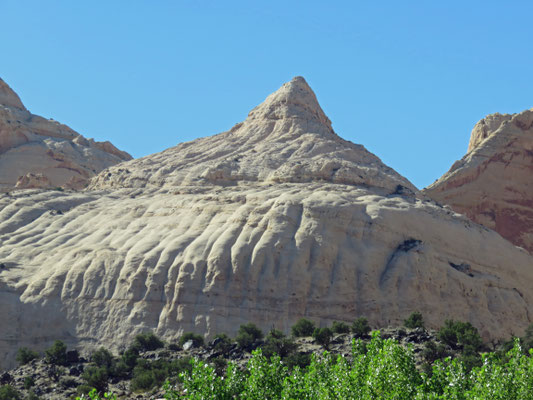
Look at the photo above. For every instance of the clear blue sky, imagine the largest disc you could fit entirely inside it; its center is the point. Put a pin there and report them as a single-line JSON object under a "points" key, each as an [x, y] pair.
{"points": [[407, 79]]}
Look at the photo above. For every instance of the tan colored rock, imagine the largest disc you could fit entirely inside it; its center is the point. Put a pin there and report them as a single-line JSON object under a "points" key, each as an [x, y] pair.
{"points": [[33, 181], [8, 97], [287, 138], [32, 146], [492, 183], [202, 238]]}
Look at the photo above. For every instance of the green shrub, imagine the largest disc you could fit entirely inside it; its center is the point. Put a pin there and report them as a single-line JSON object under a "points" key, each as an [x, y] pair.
{"points": [[31, 395], [8, 392], [147, 341], [102, 358], [323, 336], [67, 382], [223, 344], [28, 382], [220, 364], [360, 327], [340, 327], [470, 358], [174, 347], [83, 390], [277, 343], [142, 380], [25, 355], [130, 356], [57, 353], [433, 351], [527, 340], [303, 328], [197, 340], [301, 360], [248, 335], [457, 335], [120, 369], [415, 320], [151, 374], [96, 377]]}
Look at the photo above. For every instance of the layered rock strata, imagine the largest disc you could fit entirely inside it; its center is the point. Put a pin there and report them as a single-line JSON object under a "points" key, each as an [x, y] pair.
{"points": [[492, 183]]}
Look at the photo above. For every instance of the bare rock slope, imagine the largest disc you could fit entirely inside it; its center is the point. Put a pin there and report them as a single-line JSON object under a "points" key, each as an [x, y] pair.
{"points": [[276, 219], [492, 183], [40, 153]]}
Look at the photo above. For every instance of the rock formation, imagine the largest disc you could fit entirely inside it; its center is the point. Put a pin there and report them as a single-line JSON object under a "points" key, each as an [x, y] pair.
{"points": [[492, 183], [276, 219], [36, 152]]}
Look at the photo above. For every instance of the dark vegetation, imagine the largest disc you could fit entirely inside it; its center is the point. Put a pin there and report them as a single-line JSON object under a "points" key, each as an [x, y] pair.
{"points": [[283, 365]]}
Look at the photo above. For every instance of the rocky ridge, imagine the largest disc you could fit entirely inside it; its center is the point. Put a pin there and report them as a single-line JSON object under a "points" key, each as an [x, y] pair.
{"points": [[491, 184], [39, 153], [274, 220]]}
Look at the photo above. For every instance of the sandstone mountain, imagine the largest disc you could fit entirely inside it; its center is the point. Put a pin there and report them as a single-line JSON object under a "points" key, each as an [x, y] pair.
{"points": [[276, 219], [492, 183], [40, 153]]}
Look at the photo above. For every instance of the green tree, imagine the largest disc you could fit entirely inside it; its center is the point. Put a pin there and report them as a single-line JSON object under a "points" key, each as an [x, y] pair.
{"points": [[277, 343], [457, 335], [415, 320], [303, 328], [8, 392], [197, 340], [248, 335], [25, 355], [323, 336], [340, 327], [96, 377], [147, 341], [57, 353], [223, 343], [360, 327], [102, 358]]}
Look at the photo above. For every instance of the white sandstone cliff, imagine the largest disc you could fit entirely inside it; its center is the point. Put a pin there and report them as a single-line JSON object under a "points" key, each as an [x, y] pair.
{"points": [[276, 219]]}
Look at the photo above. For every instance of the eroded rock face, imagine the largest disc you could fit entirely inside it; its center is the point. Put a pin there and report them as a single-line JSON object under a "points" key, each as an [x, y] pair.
{"points": [[32, 146], [288, 138], [277, 219], [492, 183]]}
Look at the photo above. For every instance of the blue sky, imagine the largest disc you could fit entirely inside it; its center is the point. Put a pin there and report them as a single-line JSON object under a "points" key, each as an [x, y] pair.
{"points": [[408, 80]]}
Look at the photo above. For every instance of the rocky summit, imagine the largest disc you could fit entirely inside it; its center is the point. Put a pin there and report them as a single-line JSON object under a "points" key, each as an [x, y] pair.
{"points": [[277, 219], [40, 153], [492, 184]]}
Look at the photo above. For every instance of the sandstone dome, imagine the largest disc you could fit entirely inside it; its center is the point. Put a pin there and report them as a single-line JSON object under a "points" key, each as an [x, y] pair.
{"points": [[492, 183], [277, 219], [40, 153], [287, 138]]}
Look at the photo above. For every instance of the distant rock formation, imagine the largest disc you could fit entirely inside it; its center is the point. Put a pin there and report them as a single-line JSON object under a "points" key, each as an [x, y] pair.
{"points": [[492, 184], [276, 219], [36, 152]]}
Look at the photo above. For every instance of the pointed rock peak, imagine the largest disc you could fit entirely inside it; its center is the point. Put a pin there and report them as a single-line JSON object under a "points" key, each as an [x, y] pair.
{"points": [[486, 127], [295, 99], [8, 97]]}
